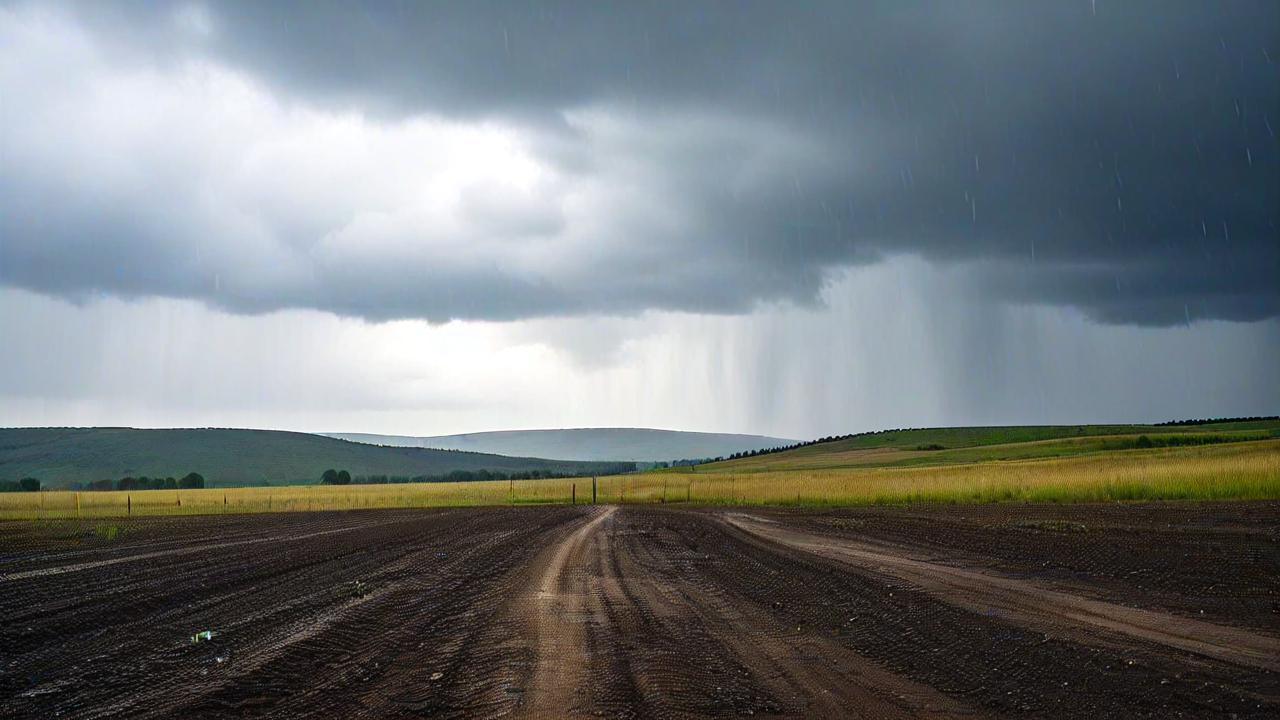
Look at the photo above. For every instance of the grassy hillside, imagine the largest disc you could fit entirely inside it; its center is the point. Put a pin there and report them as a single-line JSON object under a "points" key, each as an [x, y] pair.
{"points": [[61, 456], [638, 444], [947, 446]]}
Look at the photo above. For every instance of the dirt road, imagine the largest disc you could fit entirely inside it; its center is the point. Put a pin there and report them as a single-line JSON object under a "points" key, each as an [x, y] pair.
{"points": [[1029, 603], [1038, 611]]}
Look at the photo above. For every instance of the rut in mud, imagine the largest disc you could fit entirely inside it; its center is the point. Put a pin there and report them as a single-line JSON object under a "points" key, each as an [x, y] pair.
{"points": [[650, 612]]}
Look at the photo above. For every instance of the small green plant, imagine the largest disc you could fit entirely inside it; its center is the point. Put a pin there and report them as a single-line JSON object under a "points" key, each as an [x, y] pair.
{"points": [[354, 589], [108, 532]]}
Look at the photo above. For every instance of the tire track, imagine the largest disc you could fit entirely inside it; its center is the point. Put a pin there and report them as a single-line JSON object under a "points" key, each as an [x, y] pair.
{"points": [[1216, 562], [980, 658], [558, 607], [1032, 604], [812, 675], [652, 657]]}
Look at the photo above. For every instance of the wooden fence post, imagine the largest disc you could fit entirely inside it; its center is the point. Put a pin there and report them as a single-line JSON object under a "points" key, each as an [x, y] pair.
{"points": [[593, 489], [573, 496], [128, 499]]}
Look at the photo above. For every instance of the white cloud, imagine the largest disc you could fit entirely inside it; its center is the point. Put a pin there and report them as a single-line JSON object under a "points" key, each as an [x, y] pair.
{"points": [[220, 179], [191, 179]]}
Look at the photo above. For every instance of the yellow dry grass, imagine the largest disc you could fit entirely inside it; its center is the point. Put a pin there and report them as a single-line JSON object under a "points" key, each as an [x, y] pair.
{"points": [[1230, 471], [293, 498]]}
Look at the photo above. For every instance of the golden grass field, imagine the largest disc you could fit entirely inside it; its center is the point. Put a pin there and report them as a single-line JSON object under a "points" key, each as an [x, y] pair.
{"points": [[1249, 470]]}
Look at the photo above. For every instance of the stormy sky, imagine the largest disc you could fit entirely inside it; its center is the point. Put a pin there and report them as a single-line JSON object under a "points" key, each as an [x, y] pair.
{"points": [[787, 218]]}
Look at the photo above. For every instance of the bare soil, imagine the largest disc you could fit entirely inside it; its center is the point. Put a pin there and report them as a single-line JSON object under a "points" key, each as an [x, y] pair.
{"points": [[1089, 611]]}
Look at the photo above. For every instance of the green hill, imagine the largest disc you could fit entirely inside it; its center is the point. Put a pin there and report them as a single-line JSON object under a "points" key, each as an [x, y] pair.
{"points": [[941, 446], [60, 457]]}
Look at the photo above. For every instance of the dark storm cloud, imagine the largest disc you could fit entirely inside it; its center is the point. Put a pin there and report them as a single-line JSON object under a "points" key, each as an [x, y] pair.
{"points": [[1121, 158]]}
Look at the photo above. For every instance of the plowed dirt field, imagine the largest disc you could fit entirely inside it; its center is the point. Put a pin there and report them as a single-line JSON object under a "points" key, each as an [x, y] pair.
{"points": [[1071, 611]]}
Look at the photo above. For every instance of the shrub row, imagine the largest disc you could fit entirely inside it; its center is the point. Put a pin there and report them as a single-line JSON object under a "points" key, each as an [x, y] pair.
{"points": [[190, 481], [343, 477], [27, 484]]}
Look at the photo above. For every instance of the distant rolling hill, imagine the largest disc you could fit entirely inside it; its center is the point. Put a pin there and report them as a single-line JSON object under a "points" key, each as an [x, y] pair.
{"points": [[226, 457], [596, 444]]}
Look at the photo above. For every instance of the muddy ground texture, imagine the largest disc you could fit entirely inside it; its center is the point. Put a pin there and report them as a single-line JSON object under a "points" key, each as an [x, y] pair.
{"points": [[1121, 611]]}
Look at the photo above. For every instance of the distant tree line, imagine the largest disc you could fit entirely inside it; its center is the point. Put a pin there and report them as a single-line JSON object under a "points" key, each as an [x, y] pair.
{"points": [[693, 462], [1158, 441], [27, 484], [1214, 421], [335, 477], [807, 443], [190, 481], [833, 438], [687, 462], [343, 477]]}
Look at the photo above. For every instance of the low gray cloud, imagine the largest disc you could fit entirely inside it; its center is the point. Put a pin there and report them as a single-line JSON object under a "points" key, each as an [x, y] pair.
{"points": [[503, 161]]}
